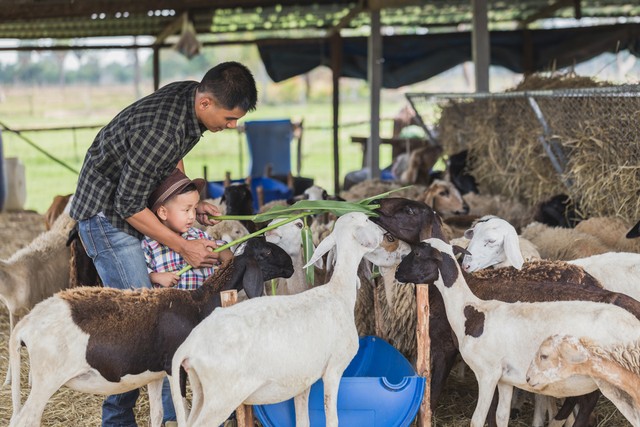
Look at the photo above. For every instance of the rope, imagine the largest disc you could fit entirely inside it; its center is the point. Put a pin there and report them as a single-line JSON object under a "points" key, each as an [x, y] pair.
{"points": [[34, 145]]}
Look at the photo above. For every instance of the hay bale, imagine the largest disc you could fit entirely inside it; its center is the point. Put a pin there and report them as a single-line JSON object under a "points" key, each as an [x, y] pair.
{"points": [[599, 135]]}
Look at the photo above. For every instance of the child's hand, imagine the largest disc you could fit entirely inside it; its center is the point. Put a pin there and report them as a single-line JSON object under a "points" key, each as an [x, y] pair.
{"points": [[166, 279]]}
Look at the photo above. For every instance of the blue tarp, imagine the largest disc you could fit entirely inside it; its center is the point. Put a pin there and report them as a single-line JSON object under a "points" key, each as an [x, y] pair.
{"points": [[412, 59]]}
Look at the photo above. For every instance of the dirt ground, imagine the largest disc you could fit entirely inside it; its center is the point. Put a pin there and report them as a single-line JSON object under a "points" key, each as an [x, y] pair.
{"points": [[68, 408]]}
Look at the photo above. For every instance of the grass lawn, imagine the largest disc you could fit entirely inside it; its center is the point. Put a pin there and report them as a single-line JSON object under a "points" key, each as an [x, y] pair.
{"points": [[26, 107]]}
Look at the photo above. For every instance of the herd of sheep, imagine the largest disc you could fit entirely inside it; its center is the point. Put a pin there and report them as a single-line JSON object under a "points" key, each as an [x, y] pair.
{"points": [[527, 306]]}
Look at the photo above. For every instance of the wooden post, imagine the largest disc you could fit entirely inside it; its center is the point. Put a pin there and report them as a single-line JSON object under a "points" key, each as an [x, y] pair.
{"points": [[244, 413], [423, 362], [227, 179], [260, 195]]}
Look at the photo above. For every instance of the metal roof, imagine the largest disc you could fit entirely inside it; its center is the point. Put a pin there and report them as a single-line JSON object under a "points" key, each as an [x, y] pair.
{"points": [[228, 20]]}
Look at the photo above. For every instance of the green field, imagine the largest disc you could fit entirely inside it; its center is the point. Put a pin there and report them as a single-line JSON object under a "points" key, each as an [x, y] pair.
{"points": [[25, 108]]}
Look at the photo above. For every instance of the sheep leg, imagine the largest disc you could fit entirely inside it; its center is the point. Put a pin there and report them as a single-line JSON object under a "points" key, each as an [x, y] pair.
{"points": [[331, 383], [505, 393], [301, 404], [486, 389], [31, 412], [543, 405], [13, 319], [154, 389]]}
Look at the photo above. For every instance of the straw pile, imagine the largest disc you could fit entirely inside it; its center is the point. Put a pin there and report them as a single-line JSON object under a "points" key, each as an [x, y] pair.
{"points": [[598, 135], [70, 408]]}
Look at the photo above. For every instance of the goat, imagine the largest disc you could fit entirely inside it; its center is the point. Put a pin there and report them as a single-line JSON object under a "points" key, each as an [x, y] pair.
{"points": [[36, 271], [58, 206], [482, 327], [445, 199], [227, 230], [302, 338], [108, 341], [615, 370], [494, 242], [289, 238]]}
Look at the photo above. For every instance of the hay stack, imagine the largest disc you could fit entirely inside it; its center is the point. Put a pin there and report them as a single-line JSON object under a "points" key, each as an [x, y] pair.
{"points": [[599, 136]]}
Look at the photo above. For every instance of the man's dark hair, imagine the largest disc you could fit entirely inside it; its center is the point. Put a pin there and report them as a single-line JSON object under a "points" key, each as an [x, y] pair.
{"points": [[232, 85]]}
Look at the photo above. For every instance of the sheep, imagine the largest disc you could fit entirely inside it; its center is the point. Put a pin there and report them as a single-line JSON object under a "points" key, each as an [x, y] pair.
{"points": [[614, 369], [617, 271], [408, 220], [612, 233], [373, 187], [108, 341], [227, 230], [557, 211], [238, 200], [634, 231], [302, 338], [558, 243], [289, 238], [419, 165], [483, 326], [58, 206], [494, 242], [445, 199], [36, 271]]}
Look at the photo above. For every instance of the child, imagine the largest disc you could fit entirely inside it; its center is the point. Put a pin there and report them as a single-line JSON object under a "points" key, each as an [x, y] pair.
{"points": [[174, 203]]}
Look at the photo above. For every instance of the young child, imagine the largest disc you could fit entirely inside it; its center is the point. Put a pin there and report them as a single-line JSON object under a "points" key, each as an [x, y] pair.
{"points": [[174, 203]]}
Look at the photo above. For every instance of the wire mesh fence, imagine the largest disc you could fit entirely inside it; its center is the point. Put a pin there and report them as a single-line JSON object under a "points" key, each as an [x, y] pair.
{"points": [[535, 144]]}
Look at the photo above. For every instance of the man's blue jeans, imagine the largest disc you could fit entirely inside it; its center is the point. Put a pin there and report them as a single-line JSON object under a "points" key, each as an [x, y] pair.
{"points": [[120, 263]]}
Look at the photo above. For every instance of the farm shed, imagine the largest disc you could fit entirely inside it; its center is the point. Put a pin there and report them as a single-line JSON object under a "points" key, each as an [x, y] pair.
{"points": [[388, 42]]}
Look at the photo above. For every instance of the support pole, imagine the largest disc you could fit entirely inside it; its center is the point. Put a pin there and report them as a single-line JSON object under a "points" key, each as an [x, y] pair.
{"points": [[375, 83], [423, 362], [480, 45], [244, 413]]}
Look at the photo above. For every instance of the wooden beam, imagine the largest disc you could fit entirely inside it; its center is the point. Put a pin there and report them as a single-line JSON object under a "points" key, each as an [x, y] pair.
{"points": [[480, 45], [67, 9], [346, 20], [546, 12]]}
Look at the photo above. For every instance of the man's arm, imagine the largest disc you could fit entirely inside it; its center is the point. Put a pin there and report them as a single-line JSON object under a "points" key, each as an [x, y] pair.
{"points": [[195, 252]]}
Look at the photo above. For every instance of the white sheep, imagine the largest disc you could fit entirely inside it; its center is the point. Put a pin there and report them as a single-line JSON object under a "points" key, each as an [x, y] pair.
{"points": [[482, 328], [108, 341], [269, 351], [289, 238], [492, 241], [615, 369], [617, 271]]}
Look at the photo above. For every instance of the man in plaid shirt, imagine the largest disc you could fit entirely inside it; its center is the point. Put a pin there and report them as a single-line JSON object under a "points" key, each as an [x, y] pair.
{"points": [[127, 160]]}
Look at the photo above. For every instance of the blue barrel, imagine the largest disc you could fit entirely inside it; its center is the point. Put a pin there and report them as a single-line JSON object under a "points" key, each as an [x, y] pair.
{"points": [[3, 178]]}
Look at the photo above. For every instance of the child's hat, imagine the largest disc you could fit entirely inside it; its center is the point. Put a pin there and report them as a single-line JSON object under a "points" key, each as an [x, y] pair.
{"points": [[172, 185]]}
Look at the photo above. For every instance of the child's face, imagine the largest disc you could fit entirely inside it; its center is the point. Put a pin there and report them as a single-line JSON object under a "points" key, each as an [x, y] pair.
{"points": [[179, 213]]}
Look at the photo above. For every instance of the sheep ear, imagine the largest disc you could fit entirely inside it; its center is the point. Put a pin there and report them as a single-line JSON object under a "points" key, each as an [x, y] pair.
{"points": [[457, 250], [512, 249], [469, 234], [252, 281], [325, 246], [367, 237], [572, 352]]}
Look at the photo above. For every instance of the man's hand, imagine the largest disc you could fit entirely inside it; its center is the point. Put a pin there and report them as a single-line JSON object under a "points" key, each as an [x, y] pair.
{"points": [[198, 253], [204, 210], [165, 279]]}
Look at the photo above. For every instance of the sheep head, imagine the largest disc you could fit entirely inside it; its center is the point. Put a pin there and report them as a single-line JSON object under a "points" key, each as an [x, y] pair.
{"points": [[408, 220]]}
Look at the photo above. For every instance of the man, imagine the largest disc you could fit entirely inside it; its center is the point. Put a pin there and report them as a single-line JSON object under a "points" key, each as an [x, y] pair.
{"points": [[128, 159]]}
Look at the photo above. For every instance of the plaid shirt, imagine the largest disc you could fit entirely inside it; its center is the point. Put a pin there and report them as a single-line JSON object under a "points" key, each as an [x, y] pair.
{"points": [[136, 151], [160, 259]]}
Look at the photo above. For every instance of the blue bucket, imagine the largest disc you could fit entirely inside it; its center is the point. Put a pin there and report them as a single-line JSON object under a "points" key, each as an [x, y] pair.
{"points": [[379, 388]]}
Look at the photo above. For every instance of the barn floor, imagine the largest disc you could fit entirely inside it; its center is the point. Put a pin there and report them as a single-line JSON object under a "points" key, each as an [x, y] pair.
{"points": [[68, 408]]}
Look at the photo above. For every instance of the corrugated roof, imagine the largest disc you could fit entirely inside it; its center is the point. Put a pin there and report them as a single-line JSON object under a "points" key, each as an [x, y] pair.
{"points": [[235, 19]]}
